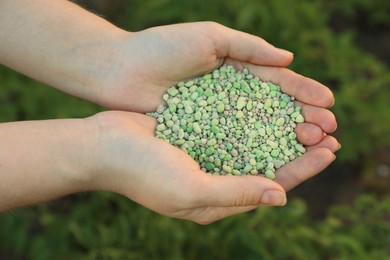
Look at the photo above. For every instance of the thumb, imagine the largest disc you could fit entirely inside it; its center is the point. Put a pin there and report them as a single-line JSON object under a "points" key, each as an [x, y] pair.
{"points": [[239, 191], [249, 48]]}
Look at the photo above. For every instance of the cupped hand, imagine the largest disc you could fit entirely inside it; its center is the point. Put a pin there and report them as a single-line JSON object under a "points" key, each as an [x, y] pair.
{"points": [[155, 59], [165, 179], [130, 161]]}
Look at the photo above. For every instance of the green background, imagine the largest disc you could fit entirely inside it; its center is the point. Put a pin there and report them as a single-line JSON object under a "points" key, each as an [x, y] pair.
{"points": [[343, 213]]}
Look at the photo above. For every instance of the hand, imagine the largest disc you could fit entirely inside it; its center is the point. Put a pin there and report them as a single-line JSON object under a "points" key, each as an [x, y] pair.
{"points": [[166, 180], [157, 58], [129, 160]]}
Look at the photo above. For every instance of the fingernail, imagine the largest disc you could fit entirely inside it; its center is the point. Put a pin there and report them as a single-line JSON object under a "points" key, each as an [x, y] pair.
{"points": [[274, 198], [339, 147]]}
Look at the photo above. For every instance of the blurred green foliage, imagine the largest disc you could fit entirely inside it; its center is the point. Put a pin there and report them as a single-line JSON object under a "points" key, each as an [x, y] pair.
{"points": [[323, 36], [110, 227]]}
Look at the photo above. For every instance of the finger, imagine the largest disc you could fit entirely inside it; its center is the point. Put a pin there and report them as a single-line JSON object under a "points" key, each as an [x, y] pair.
{"points": [[319, 116], [309, 134], [304, 167], [302, 88], [249, 48], [329, 142], [236, 191]]}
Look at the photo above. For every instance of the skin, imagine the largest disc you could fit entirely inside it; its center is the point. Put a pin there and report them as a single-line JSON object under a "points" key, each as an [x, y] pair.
{"points": [[128, 72]]}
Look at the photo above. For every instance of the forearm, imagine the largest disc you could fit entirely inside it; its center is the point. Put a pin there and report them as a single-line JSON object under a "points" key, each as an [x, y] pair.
{"points": [[42, 160], [60, 44]]}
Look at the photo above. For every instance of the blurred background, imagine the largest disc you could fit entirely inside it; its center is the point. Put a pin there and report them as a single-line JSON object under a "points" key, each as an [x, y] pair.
{"points": [[343, 213]]}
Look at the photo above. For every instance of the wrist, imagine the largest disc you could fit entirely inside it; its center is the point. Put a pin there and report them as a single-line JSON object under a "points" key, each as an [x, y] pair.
{"points": [[121, 71], [98, 155], [86, 159], [115, 149]]}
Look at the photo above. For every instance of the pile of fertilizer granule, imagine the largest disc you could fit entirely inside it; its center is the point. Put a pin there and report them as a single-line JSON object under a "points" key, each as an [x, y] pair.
{"points": [[231, 123]]}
